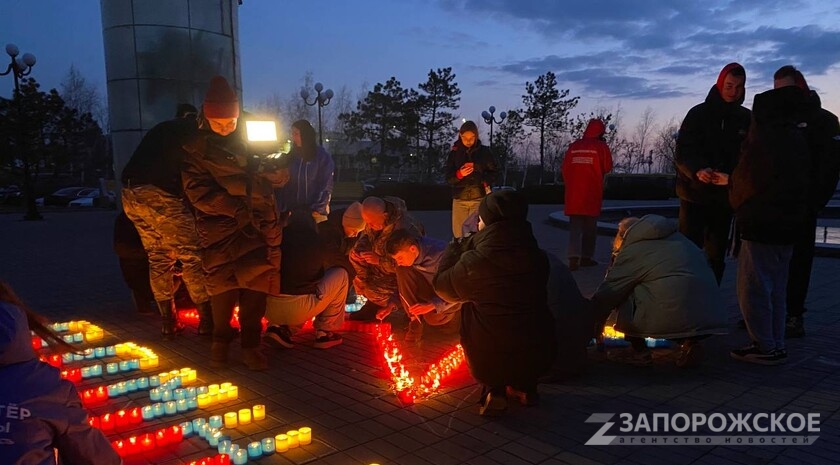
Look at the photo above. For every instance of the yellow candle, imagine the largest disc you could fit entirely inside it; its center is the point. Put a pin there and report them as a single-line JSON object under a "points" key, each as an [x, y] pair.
{"points": [[233, 393], [213, 397], [259, 412], [244, 416], [225, 386], [154, 361], [281, 443], [230, 420], [144, 363], [223, 395], [293, 438], [203, 400], [213, 389], [163, 377], [305, 435]]}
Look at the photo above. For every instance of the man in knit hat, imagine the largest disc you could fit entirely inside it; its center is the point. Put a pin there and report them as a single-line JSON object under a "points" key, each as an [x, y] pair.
{"points": [[153, 198], [708, 145]]}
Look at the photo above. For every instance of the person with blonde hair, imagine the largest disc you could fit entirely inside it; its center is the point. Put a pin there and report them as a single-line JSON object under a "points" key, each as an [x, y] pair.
{"points": [[662, 287]]}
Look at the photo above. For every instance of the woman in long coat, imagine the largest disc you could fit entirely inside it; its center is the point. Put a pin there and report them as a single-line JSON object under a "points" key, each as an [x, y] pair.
{"points": [[500, 274]]}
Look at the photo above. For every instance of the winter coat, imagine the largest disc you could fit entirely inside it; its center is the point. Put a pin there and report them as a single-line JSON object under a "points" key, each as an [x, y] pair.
{"points": [[769, 187], [159, 157], [823, 134], [237, 222], [310, 184], [41, 411], [427, 263], [662, 283], [485, 172], [586, 163], [710, 137], [336, 246], [507, 330]]}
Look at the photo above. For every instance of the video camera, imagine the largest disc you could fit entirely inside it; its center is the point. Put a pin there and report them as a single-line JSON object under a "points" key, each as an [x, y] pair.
{"points": [[264, 145]]}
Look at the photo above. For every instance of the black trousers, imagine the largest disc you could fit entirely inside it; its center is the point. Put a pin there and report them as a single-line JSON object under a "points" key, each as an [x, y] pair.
{"points": [[251, 310], [708, 227], [799, 277]]}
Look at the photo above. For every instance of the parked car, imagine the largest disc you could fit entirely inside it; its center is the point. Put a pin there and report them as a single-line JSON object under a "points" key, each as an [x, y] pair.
{"points": [[91, 199], [62, 196], [10, 195]]}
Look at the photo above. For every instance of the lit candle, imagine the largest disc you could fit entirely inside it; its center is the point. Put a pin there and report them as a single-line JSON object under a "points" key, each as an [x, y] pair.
{"points": [[201, 390], [121, 387], [213, 389], [99, 352], [240, 457], [154, 361], [305, 435], [154, 381], [170, 408], [223, 395], [233, 393], [224, 446], [119, 447], [254, 449], [215, 421], [161, 438], [142, 383], [163, 377], [222, 459], [179, 394], [159, 409], [186, 428], [259, 412], [281, 443], [294, 440], [94, 422], [85, 373], [121, 419], [147, 442], [113, 390], [244, 416], [134, 364], [101, 393], [191, 393], [155, 394], [267, 446], [110, 351], [192, 403], [203, 400], [176, 434], [225, 385], [96, 370], [135, 416], [124, 365], [230, 420], [131, 385], [112, 368], [181, 405], [78, 337], [214, 437], [148, 413], [106, 422]]}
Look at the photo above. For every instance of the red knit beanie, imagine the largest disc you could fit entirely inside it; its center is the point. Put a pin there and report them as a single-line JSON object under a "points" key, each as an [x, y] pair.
{"points": [[220, 100]]}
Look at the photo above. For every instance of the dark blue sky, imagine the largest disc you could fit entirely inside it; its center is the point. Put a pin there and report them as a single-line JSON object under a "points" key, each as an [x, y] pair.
{"points": [[663, 54]]}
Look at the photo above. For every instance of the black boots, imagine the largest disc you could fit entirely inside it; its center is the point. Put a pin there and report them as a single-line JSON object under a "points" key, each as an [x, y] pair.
{"points": [[170, 325], [205, 315]]}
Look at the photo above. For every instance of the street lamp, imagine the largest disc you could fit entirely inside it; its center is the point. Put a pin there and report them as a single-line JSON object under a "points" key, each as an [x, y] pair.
{"points": [[20, 67], [490, 119], [321, 100]]}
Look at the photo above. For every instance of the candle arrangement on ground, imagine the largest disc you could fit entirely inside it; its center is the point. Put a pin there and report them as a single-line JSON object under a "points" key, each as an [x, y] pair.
{"points": [[615, 338]]}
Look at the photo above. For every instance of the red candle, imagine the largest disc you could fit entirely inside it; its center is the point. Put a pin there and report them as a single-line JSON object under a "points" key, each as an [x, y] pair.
{"points": [[94, 422], [119, 447], [88, 396], [133, 445], [55, 360], [135, 416], [101, 393], [222, 459], [36, 342], [106, 422], [121, 419], [147, 442], [161, 437], [175, 434]]}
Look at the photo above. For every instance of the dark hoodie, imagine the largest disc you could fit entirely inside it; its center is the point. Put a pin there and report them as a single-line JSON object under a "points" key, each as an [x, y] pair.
{"points": [[485, 170], [710, 137], [40, 411]]}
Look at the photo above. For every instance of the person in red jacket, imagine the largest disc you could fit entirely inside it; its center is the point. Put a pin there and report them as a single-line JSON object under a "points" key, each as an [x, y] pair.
{"points": [[587, 161]]}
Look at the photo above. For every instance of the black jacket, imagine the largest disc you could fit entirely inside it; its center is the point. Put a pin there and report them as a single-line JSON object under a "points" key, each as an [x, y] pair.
{"points": [[336, 246], [823, 134], [159, 158], [486, 170], [710, 137], [302, 266], [769, 187]]}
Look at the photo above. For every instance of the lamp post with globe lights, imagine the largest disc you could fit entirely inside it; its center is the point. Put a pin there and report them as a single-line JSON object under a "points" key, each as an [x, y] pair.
{"points": [[18, 68], [490, 119], [322, 100]]}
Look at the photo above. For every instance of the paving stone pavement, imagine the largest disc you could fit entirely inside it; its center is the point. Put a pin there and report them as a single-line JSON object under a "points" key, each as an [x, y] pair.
{"points": [[64, 267]]}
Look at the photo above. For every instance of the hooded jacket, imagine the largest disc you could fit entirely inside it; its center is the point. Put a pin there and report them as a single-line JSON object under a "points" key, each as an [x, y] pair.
{"points": [[710, 137], [41, 411], [586, 163], [159, 157], [823, 134], [662, 285], [310, 184], [485, 170], [507, 330]]}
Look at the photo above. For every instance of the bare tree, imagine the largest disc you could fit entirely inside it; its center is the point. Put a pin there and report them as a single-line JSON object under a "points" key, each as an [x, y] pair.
{"points": [[83, 96], [665, 145], [641, 139]]}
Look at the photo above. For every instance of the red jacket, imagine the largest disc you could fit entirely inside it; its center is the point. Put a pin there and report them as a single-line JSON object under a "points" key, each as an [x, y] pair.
{"points": [[587, 161]]}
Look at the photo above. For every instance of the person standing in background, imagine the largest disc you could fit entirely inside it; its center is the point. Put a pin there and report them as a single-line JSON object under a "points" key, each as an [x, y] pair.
{"points": [[471, 169]]}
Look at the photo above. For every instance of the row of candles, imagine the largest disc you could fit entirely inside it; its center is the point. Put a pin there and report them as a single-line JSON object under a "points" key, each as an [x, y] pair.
{"points": [[148, 441], [167, 381]]}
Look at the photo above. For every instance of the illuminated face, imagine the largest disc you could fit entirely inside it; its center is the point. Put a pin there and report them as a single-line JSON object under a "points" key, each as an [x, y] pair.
{"points": [[376, 220], [222, 126], [468, 138], [406, 256], [296, 139], [733, 88]]}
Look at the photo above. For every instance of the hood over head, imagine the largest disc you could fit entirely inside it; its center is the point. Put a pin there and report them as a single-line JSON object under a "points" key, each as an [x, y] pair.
{"points": [[503, 205], [15, 338], [594, 129]]}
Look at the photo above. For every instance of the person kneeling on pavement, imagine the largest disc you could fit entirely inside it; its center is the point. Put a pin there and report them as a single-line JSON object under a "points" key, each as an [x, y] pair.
{"points": [[307, 289], [417, 259], [662, 287]]}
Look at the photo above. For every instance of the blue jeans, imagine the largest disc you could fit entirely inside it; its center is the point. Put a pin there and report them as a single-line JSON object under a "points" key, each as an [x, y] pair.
{"points": [[762, 291]]}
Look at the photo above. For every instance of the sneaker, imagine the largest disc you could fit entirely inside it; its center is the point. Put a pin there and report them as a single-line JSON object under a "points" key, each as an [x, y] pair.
{"points": [[527, 399], [493, 405], [631, 356], [415, 331], [574, 263], [279, 337], [588, 262], [794, 327], [327, 339], [754, 354], [690, 355]]}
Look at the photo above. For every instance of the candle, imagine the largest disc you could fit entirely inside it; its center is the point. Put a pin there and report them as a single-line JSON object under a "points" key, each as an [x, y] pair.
{"points": [[154, 394], [192, 403], [196, 423], [281, 443], [233, 393], [181, 405], [267, 446], [161, 438], [226, 385], [244, 416], [134, 364], [94, 422], [305, 435], [294, 439], [88, 353], [131, 385], [230, 420], [106, 422], [113, 390], [203, 400], [147, 442], [121, 387], [179, 394], [214, 437], [85, 372], [202, 390], [135, 416], [110, 351], [215, 421], [170, 407], [223, 395], [203, 430], [154, 361], [112, 368], [101, 393], [65, 358], [119, 447], [213, 389], [78, 337], [154, 381], [255, 449], [99, 352], [148, 413], [186, 428], [224, 446], [121, 419], [124, 365], [240, 457], [176, 434], [96, 370], [159, 409], [166, 395], [163, 377], [259, 412], [78, 357], [142, 383], [222, 459]]}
